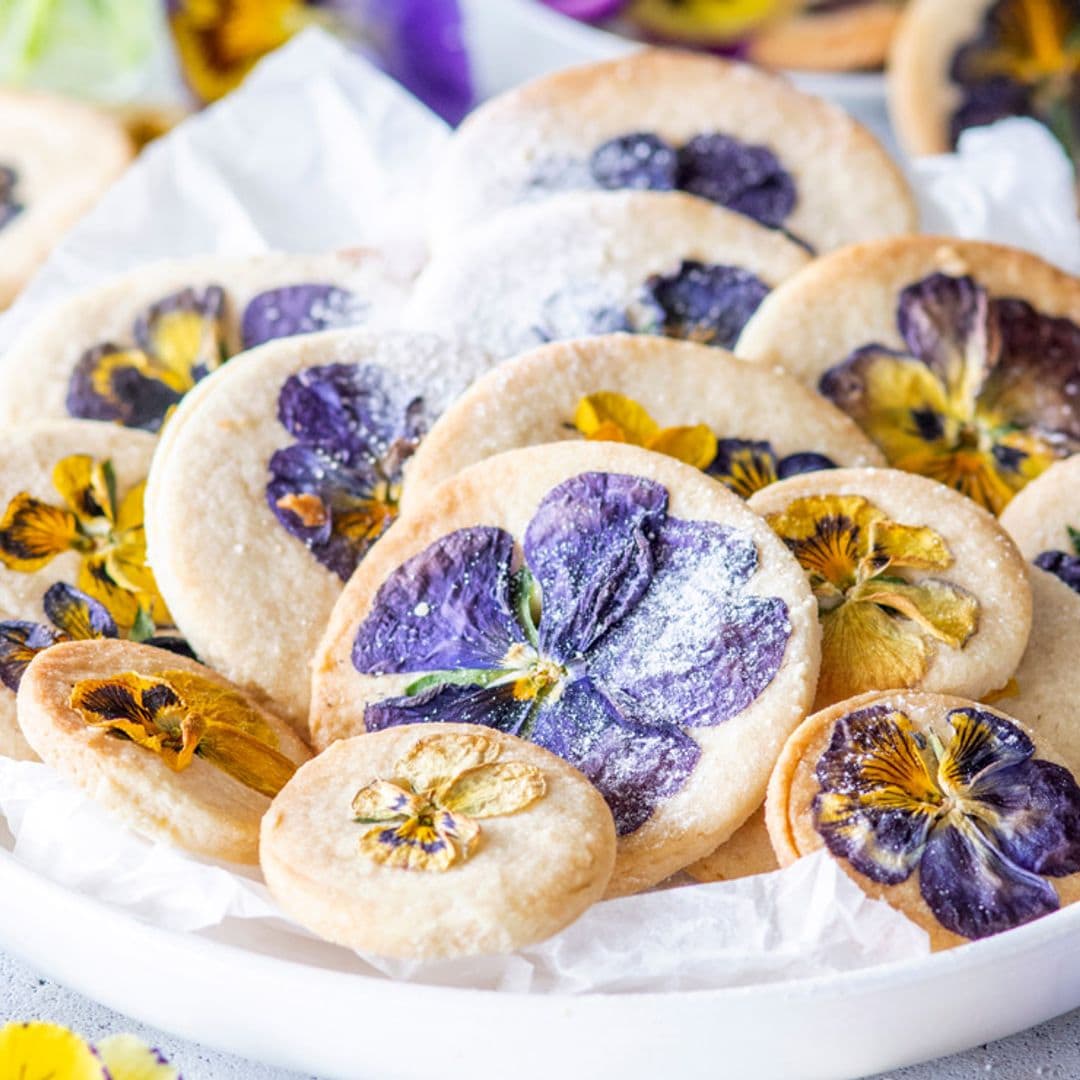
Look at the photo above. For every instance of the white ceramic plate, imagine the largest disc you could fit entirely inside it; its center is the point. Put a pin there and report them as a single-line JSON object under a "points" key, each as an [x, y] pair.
{"points": [[289, 1002]]}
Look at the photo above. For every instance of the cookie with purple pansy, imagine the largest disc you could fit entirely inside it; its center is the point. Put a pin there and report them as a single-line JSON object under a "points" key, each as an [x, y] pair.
{"points": [[170, 747], [597, 263], [57, 157], [73, 561], [960, 359], [962, 64], [742, 424], [127, 351], [952, 811], [614, 605], [437, 840], [272, 482], [664, 120]]}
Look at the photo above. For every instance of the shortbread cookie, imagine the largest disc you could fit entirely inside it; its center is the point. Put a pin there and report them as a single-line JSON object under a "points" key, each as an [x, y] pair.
{"points": [[130, 349], [748, 852], [73, 558], [961, 360], [431, 842], [958, 64], [57, 159], [164, 743], [272, 481], [1044, 520], [742, 424], [829, 36], [917, 586], [950, 811], [668, 120], [597, 263], [615, 606]]}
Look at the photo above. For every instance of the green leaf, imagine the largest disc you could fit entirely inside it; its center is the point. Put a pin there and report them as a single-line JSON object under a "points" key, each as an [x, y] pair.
{"points": [[466, 677], [525, 601], [109, 473], [143, 628], [1074, 536]]}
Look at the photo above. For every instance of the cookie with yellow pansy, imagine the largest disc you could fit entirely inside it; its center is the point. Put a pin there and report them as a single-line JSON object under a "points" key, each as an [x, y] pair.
{"points": [[598, 263], [953, 812], [613, 605], [663, 120], [960, 359], [57, 158], [960, 64], [127, 351], [431, 841], [740, 423], [73, 560], [273, 480], [168, 746]]}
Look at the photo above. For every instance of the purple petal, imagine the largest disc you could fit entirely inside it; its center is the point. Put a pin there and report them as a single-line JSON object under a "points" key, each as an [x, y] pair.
{"points": [[131, 398], [494, 707], [641, 160], [589, 545], [446, 608], [210, 307], [20, 642], [795, 464], [175, 645], [973, 890], [1062, 565], [74, 613], [299, 309], [748, 179], [982, 744], [634, 766], [693, 651], [588, 10]]}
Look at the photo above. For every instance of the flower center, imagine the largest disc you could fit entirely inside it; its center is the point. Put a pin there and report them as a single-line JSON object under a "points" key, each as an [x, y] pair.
{"points": [[534, 675]]}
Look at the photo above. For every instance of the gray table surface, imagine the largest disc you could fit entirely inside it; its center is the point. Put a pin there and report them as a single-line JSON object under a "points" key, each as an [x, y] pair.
{"points": [[1048, 1052]]}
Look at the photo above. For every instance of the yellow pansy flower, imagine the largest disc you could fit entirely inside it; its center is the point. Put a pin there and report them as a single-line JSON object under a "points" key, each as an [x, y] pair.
{"points": [[43, 1051]]}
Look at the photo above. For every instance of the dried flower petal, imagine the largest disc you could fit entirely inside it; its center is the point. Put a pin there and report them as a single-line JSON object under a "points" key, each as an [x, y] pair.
{"points": [[299, 309], [642, 161], [41, 1051], [128, 1058]]}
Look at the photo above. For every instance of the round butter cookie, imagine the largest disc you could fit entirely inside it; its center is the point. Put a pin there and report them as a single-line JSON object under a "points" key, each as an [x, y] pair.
{"points": [[73, 560], [172, 748], [959, 64], [128, 350], [1044, 520], [951, 811], [744, 425], [917, 586], [960, 359], [428, 843], [613, 605], [58, 158], [273, 480], [584, 264], [666, 120]]}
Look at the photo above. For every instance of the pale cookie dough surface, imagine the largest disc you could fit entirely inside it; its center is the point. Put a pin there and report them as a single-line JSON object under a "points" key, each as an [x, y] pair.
{"points": [[985, 565], [849, 299], [532, 399], [538, 138], [794, 786], [922, 96], [748, 852], [839, 40], [533, 871], [37, 370], [201, 808], [249, 594], [728, 781], [576, 264], [1040, 516], [64, 155], [28, 456]]}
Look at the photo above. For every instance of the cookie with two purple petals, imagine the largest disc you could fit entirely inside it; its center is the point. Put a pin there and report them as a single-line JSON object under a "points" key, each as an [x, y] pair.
{"points": [[615, 606]]}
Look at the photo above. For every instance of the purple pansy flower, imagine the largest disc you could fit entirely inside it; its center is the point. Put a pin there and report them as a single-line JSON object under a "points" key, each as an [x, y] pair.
{"points": [[299, 309], [981, 820], [1064, 565], [74, 617], [336, 489], [748, 465], [617, 631], [10, 207]]}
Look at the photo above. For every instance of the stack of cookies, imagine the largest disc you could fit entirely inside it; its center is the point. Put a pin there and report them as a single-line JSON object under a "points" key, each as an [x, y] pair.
{"points": [[689, 512]]}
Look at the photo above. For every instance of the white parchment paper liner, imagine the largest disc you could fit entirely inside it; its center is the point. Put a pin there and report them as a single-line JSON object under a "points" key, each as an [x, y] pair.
{"points": [[319, 150]]}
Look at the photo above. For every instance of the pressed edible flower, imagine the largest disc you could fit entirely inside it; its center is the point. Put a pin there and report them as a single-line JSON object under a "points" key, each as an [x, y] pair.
{"points": [[877, 624], [43, 1051], [1064, 565], [426, 817]]}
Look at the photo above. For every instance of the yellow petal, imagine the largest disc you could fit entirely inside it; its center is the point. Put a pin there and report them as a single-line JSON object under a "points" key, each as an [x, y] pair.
{"points": [[436, 759], [863, 648], [84, 485], [242, 756], [973, 473], [184, 340], [504, 787], [129, 1058], [383, 801], [944, 611], [33, 533], [695, 445], [1010, 690], [146, 710], [130, 513], [915, 546], [707, 21], [598, 415], [40, 1051], [95, 580], [415, 844]]}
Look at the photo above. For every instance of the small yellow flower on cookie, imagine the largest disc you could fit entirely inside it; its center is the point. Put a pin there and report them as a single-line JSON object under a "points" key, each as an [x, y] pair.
{"points": [[178, 715], [425, 818], [42, 1051]]}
